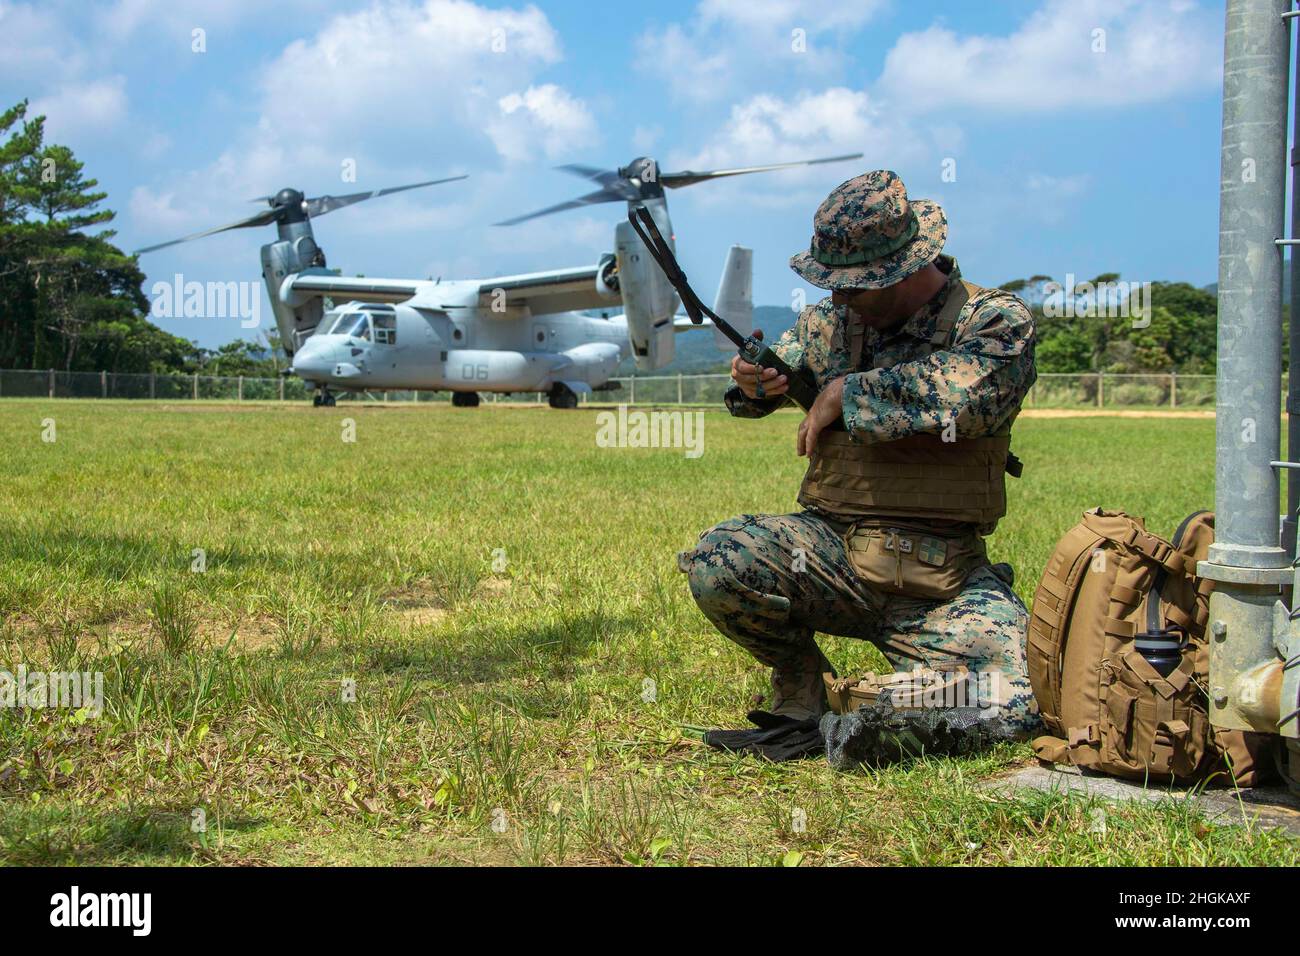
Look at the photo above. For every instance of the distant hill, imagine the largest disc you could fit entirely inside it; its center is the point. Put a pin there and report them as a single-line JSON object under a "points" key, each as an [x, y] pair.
{"points": [[695, 351]]}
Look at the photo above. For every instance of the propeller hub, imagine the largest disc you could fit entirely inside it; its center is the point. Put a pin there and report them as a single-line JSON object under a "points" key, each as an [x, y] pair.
{"points": [[287, 197], [641, 170], [290, 205]]}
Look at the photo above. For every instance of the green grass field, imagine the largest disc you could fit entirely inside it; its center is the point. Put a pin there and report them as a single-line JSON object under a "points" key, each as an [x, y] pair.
{"points": [[499, 715]]}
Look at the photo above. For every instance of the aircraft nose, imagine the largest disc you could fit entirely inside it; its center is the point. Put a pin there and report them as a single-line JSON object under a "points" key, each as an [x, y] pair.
{"points": [[313, 361]]}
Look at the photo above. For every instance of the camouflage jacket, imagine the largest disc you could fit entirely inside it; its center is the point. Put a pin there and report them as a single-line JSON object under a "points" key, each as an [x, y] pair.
{"points": [[978, 383]]}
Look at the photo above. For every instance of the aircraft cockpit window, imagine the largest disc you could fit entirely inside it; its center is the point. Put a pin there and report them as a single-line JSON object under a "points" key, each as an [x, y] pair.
{"points": [[355, 324], [385, 328]]}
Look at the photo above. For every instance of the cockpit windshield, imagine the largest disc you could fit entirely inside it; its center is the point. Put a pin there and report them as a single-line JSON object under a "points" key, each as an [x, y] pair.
{"points": [[355, 324]]}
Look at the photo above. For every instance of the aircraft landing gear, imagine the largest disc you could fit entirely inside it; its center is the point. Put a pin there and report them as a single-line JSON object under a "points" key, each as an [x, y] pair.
{"points": [[465, 399], [323, 397], [562, 396]]}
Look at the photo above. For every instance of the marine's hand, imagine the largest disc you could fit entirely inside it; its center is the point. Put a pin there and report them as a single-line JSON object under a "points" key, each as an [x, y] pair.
{"points": [[746, 376], [827, 408]]}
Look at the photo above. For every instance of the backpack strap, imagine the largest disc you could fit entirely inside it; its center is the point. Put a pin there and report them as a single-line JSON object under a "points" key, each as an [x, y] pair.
{"points": [[1145, 543], [946, 323]]}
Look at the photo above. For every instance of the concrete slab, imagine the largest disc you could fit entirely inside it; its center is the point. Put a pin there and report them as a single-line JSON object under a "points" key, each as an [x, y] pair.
{"points": [[1267, 806]]}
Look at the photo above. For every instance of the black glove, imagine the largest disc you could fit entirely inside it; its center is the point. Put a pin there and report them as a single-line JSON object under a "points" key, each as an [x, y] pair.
{"points": [[778, 738]]}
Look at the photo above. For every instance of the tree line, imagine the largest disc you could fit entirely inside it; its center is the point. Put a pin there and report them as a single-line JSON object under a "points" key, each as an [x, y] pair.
{"points": [[1106, 325]]}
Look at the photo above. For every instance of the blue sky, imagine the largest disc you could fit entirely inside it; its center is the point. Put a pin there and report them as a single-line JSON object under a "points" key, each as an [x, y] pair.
{"points": [[1084, 135]]}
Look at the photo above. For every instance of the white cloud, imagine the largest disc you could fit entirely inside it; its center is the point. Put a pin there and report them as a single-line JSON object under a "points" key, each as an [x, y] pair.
{"points": [[731, 46], [773, 129], [1147, 50], [81, 107], [409, 91], [405, 90], [398, 76], [542, 115], [644, 138], [31, 43], [1051, 199]]}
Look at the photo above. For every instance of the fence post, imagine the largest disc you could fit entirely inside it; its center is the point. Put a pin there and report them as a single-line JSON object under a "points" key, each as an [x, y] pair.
{"points": [[239, 390], [281, 388], [103, 384], [631, 398], [679, 388], [196, 386], [1173, 389], [153, 393], [1101, 389], [51, 383]]}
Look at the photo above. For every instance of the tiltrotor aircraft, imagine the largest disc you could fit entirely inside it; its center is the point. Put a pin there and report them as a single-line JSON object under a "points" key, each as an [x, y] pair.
{"points": [[521, 333]]}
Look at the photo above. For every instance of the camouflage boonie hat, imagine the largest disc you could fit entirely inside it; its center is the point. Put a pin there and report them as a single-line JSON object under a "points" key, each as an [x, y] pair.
{"points": [[867, 235]]}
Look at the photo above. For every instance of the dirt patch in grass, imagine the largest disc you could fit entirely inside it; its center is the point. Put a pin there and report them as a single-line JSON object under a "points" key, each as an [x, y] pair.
{"points": [[416, 604], [492, 587]]}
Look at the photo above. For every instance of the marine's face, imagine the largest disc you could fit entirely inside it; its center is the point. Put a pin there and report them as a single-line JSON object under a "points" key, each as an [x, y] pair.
{"points": [[878, 308]]}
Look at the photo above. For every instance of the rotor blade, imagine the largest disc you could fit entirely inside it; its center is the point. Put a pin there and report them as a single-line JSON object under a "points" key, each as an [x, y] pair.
{"points": [[600, 195], [603, 176], [689, 177], [261, 219], [323, 204]]}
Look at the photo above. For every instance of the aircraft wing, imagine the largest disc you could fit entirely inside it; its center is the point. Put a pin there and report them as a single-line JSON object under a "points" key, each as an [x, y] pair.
{"points": [[683, 323], [307, 284], [543, 293]]}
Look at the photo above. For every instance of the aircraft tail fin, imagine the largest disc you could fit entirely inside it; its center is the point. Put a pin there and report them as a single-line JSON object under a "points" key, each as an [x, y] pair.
{"points": [[735, 299]]}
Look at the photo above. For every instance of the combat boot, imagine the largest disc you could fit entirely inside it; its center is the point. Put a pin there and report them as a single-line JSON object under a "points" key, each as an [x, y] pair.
{"points": [[798, 690], [884, 718]]}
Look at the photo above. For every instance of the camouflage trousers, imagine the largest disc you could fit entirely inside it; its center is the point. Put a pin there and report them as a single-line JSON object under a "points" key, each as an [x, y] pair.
{"points": [[769, 582]]}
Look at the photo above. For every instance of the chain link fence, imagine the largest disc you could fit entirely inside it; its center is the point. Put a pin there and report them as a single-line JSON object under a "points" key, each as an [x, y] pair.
{"points": [[1052, 390]]}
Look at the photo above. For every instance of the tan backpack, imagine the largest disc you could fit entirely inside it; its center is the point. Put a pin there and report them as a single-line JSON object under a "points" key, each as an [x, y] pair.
{"points": [[1108, 588]]}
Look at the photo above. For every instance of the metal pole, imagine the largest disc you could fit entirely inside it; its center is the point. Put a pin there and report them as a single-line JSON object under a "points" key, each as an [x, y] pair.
{"points": [[1293, 384], [51, 383], [1173, 389], [1246, 561]]}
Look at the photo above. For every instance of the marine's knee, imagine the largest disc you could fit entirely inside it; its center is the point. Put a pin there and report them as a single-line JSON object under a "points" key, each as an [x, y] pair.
{"points": [[737, 560], [716, 563]]}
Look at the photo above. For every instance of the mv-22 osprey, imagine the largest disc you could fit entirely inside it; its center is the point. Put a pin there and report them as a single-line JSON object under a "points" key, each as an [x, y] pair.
{"points": [[522, 333]]}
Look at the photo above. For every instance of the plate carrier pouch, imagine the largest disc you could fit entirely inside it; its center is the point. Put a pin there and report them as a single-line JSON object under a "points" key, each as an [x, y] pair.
{"points": [[1109, 583]]}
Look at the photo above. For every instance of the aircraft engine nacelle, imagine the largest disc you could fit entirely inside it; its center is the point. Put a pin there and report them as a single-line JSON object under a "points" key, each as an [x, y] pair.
{"points": [[607, 283], [649, 301], [279, 260]]}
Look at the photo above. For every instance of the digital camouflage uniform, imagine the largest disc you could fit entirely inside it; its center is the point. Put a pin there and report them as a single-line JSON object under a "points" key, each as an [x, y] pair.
{"points": [[769, 582]]}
